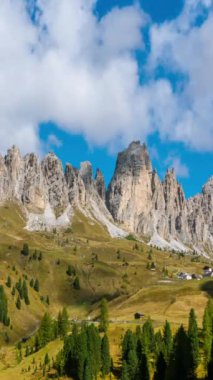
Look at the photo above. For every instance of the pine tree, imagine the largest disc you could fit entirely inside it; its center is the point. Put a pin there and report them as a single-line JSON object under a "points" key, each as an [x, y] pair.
{"points": [[179, 365], [208, 330], [128, 344], [132, 363], [105, 356], [25, 293], [13, 291], [63, 322], [36, 285], [167, 341], [158, 343], [45, 333], [193, 342], [46, 359], [161, 366], [40, 257], [104, 317], [87, 371], [3, 307], [144, 368], [19, 288], [148, 337], [76, 283], [25, 250], [124, 374], [32, 283], [18, 303], [9, 282], [71, 271], [210, 366]]}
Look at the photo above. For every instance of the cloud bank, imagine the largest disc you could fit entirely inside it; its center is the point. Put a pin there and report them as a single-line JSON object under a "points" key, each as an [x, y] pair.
{"points": [[83, 73]]}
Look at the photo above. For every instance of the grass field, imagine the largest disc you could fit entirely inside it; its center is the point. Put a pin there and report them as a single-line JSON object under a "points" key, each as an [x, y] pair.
{"points": [[114, 268]]}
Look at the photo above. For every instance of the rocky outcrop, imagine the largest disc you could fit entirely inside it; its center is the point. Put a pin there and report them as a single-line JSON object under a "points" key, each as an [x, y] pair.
{"points": [[100, 184], [136, 199], [49, 195]]}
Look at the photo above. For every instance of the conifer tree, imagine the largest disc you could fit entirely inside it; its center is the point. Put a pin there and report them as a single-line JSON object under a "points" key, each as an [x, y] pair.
{"points": [[210, 366], [148, 336], [124, 374], [208, 330], [9, 282], [45, 333], [3, 307], [25, 293], [132, 364], [144, 368], [63, 322], [161, 366], [87, 371], [46, 359], [179, 365], [76, 283], [128, 344], [167, 341], [105, 356], [18, 303], [158, 343], [36, 285], [193, 341], [104, 317], [25, 249]]}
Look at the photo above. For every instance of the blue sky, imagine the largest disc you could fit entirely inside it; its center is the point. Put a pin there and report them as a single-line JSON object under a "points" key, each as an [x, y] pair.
{"points": [[90, 76], [75, 148]]}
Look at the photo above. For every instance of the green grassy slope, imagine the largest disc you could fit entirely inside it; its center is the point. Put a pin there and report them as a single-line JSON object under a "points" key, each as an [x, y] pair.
{"points": [[114, 268]]}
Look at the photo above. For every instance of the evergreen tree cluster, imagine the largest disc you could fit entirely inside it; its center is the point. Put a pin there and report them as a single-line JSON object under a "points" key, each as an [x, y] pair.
{"points": [[35, 284], [85, 354], [168, 357], [4, 318], [51, 329], [21, 287], [37, 255]]}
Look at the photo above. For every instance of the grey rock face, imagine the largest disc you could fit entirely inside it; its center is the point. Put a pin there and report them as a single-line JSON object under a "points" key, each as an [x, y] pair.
{"points": [[55, 186], [47, 193], [138, 199], [100, 184]]}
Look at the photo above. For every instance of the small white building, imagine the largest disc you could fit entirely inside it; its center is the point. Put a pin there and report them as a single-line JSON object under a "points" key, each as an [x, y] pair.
{"points": [[207, 272], [185, 276]]}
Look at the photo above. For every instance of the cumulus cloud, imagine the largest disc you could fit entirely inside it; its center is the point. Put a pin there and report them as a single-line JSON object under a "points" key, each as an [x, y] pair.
{"points": [[82, 72], [181, 169], [54, 141]]}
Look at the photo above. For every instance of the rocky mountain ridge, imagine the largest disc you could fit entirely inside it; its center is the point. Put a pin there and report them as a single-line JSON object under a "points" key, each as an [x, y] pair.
{"points": [[136, 200]]}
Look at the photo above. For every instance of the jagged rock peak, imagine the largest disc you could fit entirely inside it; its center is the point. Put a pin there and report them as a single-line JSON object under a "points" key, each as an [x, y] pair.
{"points": [[86, 173], [100, 184], [208, 187], [133, 160]]}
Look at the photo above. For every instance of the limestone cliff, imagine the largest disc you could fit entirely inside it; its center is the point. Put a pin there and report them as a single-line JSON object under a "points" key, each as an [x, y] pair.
{"points": [[136, 199]]}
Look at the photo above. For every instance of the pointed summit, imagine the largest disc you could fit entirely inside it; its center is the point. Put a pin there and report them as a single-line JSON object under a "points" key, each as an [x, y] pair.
{"points": [[133, 160]]}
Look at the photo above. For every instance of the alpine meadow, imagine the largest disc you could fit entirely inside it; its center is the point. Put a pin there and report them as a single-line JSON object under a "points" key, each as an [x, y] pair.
{"points": [[106, 190]]}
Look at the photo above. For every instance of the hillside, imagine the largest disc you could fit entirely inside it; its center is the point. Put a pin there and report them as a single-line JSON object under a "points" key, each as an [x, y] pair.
{"points": [[113, 268]]}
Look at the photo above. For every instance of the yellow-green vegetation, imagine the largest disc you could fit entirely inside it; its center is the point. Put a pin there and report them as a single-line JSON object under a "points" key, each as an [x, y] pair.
{"points": [[117, 269]]}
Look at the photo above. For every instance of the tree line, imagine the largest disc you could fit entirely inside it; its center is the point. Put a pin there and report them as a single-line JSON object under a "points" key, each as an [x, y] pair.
{"points": [[148, 355]]}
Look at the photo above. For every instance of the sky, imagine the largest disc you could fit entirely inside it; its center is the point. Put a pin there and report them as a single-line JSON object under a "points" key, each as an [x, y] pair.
{"points": [[83, 78]]}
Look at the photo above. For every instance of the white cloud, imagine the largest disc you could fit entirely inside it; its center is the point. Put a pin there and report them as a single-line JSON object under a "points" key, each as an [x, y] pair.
{"points": [[181, 169], [53, 140], [82, 73]]}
